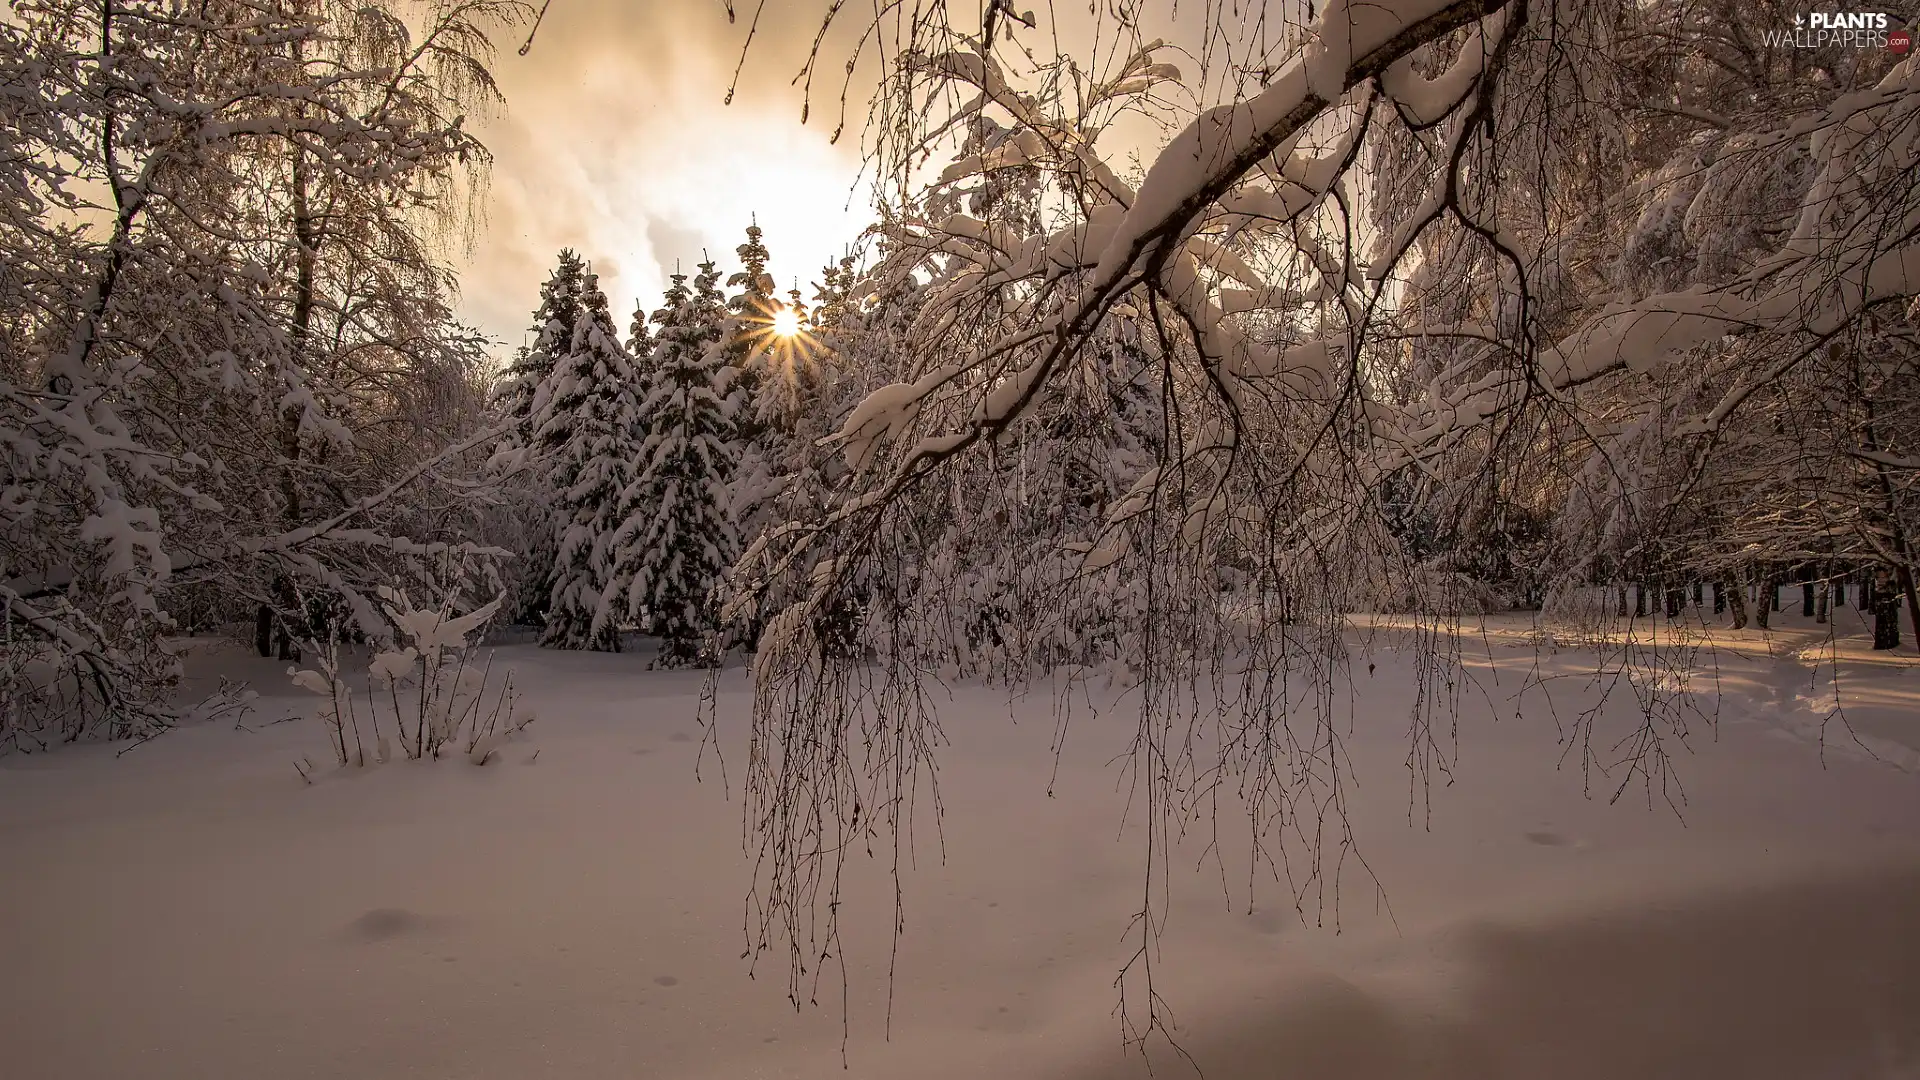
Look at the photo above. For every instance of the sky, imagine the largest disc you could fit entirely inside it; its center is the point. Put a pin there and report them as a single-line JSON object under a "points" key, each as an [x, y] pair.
{"points": [[615, 141]]}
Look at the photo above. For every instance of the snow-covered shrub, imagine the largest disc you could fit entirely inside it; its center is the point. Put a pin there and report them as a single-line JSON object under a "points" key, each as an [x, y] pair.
{"points": [[426, 691]]}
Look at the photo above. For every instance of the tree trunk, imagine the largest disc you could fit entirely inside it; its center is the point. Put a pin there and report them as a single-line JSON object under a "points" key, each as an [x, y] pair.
{"points": [[1769, 600], [1903, 569], [1720, 598], [263, 630], [289, 601], [129, 201], [1676, 600], [1820, 604], [306, 238], [1640, 600], [1625, 588], [1913, 601], [1806, 598], [1886, 617], [1737, 596]]}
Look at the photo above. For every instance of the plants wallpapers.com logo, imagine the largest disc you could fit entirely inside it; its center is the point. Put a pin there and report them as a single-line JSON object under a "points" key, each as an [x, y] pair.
{"points": [[1841, 29]]}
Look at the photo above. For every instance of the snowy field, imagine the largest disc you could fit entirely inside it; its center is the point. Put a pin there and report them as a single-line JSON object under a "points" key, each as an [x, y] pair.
{"points": [[193, 909]]}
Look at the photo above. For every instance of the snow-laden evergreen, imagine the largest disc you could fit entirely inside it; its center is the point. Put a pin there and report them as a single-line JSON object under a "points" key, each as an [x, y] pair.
{"points": [[529, 499], [750, 310], [585, 436], [640, 339], [676, 537], [561, 305]]}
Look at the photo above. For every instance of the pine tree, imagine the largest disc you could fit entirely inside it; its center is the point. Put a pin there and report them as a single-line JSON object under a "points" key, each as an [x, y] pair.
{"points": [[553, 325], [640, 338], [517, 396], [749, 330], [676, 536], [777, 382], [584, 432]]}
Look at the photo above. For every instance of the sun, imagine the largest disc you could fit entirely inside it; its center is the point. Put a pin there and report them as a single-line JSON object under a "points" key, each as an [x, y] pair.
{"points": [[786, 322]]}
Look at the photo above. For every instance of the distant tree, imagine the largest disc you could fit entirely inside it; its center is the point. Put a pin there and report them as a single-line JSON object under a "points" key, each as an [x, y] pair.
{"points": [[516, 398], [749, 332], [676, 536], [585, 437], [553, 324], [640, 338]]}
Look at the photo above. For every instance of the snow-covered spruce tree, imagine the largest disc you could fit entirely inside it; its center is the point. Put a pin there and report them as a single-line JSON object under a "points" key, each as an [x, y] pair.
{"points": [[640, 339], [585, 440], [749, 332], [236, 353], [778, 377], [675, 537], [1411, 327], [553, 324], [527, 500]]}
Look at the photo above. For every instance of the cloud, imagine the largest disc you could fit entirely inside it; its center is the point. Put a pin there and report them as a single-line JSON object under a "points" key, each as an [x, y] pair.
{"points": [[675, 246], [616, 142]]}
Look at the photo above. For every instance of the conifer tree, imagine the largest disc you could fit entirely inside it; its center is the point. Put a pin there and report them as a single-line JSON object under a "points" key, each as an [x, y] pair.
{"points": [[749, 331], [553, 326], [516, 396], [640, 338], [585, 435], [676, 534]]}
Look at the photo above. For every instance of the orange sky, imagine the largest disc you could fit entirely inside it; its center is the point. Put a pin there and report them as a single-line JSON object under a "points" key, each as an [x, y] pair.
{"points": [[616, 142]]}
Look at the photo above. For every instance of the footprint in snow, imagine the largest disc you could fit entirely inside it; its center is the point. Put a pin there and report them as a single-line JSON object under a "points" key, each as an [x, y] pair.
{"points": [[1548, 838], [385, 924], [1269, 921]]}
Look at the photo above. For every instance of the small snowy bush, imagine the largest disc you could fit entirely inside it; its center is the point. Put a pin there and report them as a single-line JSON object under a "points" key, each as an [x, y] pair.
{"points": [[425, 692]]}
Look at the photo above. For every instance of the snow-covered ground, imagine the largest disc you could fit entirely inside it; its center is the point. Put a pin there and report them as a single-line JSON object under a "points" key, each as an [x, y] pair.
{"points": [[193, 909]]}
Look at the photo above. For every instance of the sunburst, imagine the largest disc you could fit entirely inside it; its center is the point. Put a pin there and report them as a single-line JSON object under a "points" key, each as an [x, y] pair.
{"points": [[781, 339]]}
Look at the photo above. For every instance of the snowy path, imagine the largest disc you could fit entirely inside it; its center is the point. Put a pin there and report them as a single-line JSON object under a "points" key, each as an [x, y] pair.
{"points": [[192, 910]]}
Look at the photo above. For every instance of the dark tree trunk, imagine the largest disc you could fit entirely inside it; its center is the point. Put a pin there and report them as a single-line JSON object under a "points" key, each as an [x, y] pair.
{"points": [[1839, 592], [1736, 594], [1806, 599], [1696, 594], [1676, 600], [1769, 600], [1907, 586], [289, 601], [1640, 601], [263, 630], [1720, 598], [1625, 588], [1886, 618], [1773, 594]]}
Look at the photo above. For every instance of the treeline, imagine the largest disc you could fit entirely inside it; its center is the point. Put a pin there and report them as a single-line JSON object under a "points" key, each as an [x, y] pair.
{"points": [[637, 467]]}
